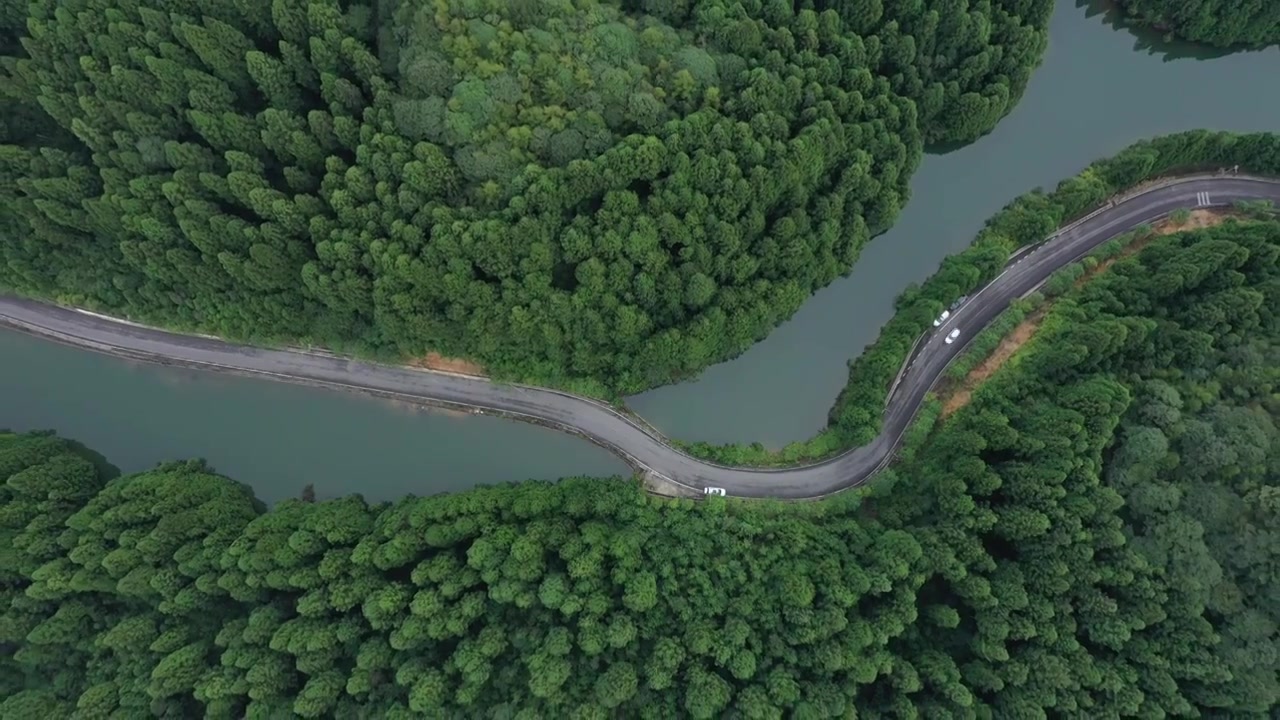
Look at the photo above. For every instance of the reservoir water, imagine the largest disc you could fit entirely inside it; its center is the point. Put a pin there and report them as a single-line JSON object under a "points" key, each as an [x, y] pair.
{"points": [[1100, 88], [276, 437]]}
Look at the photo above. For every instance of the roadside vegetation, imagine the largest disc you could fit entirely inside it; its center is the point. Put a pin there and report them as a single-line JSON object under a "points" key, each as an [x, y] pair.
{"points": [[605, 196], [1000, 341], [1221, 23], [856, 416], [1094, 535]]}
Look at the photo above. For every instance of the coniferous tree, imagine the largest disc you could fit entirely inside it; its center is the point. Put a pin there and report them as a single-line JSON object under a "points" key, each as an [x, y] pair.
{"points": [[613, 192]]}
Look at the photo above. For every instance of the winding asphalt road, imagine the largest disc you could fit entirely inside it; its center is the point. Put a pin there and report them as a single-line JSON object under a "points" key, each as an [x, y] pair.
{"points": [[642, 446]]}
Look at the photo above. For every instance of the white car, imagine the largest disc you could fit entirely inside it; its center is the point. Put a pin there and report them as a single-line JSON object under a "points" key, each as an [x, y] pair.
{"points": [[952, 337], [942, 318], [714, 491]]}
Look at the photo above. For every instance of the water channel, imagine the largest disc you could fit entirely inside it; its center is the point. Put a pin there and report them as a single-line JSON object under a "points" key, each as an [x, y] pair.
{"points": [[1101, 87], [1096, 92]]}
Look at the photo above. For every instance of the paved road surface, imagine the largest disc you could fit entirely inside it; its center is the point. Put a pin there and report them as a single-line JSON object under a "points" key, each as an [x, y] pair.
{"points": [[641, 446]]}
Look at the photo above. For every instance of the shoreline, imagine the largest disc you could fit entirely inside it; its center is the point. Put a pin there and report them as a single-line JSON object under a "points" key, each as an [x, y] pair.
{"points": [[641, 447]]}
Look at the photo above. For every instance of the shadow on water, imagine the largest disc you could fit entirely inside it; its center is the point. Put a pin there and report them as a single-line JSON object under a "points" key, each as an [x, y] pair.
{"points": [[1149, 40], [950, 147]]}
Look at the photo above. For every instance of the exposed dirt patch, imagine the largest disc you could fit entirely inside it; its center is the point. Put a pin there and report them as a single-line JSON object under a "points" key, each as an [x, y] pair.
{"points": [[436, 361], [961, 393], [1199, 219], [660, 485]]}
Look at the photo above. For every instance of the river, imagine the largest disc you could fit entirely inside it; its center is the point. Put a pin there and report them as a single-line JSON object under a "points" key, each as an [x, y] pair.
{"points": [[1099, 89], [276, 437], [1095, 93]]}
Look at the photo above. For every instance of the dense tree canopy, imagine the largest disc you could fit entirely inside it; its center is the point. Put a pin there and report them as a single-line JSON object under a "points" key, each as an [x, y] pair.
{"points": [[1097, 581], [855, 417], [1094, 536], [578, 189], [965, 63], [1223, 23]]}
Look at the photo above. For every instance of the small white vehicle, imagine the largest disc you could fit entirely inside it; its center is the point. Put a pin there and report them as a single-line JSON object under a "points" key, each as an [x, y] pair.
{"points": [[942, 318], [952, 337], [714, 491]]}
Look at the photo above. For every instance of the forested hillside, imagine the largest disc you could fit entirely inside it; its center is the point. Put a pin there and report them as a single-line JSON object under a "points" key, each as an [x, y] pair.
{"points": [[1223, 23], [619, 192], [1104, 532], [1095, 535], [964, 63]]}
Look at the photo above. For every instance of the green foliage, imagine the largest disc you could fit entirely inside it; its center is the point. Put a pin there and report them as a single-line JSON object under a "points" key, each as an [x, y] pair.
{"points": [[918, 431], [1066, 277], [965, 63], [578, 597], [1121, 576], [1260, 209], [1063, 279], [855, 418], [1222, 23], [610, 195], [985, 342], [1095, 534]]}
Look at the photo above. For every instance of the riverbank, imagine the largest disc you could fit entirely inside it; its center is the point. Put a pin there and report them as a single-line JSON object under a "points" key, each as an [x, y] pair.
{"points": [[1101, 87], [278, 436], [1023, 224], [1002, 340], [648, 451]]}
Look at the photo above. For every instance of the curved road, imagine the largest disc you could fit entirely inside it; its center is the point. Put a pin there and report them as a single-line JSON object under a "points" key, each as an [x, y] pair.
{"points": [[642, 446]]}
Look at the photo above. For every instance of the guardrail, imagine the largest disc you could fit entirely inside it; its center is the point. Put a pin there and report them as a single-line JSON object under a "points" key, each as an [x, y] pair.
{"points": [[642, 427], [1110, 203], [906, 363], [118, 351]]}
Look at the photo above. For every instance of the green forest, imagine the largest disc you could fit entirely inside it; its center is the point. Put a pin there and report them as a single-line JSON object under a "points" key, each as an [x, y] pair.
{"points": [[1221, 23], [856, 414], [569, 191], [1096, 535]]}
